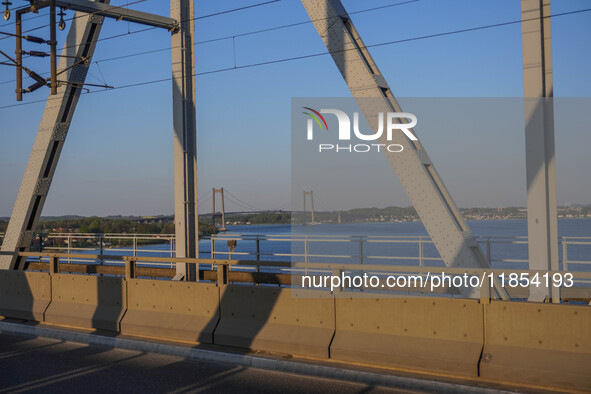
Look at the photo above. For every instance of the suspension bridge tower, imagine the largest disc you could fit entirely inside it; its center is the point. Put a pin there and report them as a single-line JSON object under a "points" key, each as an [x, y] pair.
{"points": [[311, 194], [222, 214]]}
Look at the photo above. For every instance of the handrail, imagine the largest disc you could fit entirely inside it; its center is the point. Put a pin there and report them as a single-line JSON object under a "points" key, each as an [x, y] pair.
{"points": [[254, 248], [220, 273], [326, 266]]}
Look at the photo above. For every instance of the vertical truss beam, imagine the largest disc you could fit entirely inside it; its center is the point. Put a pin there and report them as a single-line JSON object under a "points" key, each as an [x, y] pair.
{"points": [[55, 123], [450, 234], [542, 222], [184, 144]]}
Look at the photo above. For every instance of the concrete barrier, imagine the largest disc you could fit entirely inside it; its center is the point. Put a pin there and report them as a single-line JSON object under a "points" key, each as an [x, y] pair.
{"points": [[24, 295], [87, 301], [425, 334], [275, 320], [543, 344], [181, 311]]}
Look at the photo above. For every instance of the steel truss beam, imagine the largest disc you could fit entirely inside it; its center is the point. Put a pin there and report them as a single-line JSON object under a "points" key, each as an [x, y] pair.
{"points": [[114, 12], [80, 44], [450, 234], [542, 217], [55, 123], [184, 144]]}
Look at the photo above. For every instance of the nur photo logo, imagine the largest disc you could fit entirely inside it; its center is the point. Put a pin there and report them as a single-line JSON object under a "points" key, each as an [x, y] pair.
{"points": [[388, 124]]}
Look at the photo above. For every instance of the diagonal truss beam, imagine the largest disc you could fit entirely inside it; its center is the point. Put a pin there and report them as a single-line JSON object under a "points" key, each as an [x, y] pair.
{"points": [[59, 110], [55, 123], [448, 230]]}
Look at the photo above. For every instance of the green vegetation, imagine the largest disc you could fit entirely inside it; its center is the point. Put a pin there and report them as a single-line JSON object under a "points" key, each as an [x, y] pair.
{"points": [[164, 225], [110, 226], [260, 218]]}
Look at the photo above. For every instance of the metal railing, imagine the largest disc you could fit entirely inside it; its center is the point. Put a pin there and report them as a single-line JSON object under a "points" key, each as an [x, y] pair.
{"points": [[501, 252], [218, 270], [416, 250], [106, 244]]}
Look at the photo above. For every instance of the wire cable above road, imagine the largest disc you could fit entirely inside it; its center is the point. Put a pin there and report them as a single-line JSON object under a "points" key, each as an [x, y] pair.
{"points": [[308, 56]]}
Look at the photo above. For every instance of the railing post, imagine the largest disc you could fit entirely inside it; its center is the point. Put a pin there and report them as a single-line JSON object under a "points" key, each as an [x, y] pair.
{"points": [[488, 253], [360, 250], [134, 245], [212, 248], [171, 250], [40, 247], [306, 251], [421, 252], [54, 265], [101, 247], [564, 254], [69, 248], [222, 274], [258, 251], [130, 268]]}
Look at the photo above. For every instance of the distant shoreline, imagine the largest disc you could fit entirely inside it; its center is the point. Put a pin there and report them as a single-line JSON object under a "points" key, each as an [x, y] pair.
{"points": [[393, 221]]}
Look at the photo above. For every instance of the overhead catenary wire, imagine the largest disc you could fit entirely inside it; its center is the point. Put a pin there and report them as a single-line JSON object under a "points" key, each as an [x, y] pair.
{"points": [[295, 58], [152, 28], [240, 34], [36, 76], [72, 18], [227, 37]]}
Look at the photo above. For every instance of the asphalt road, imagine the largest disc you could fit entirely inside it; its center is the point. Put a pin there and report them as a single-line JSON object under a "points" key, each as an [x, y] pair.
{"points": [[48, 365]]}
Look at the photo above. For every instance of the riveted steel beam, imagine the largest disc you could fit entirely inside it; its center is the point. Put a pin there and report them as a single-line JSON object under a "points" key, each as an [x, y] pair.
{"points": [[120, 13], [59, 110], [417, 174], [184, 143], [542, 221]]}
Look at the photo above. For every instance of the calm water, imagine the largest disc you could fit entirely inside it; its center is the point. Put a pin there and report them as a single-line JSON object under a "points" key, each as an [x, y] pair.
{"points": [[488, 228], [483, 228], [367, 251]]}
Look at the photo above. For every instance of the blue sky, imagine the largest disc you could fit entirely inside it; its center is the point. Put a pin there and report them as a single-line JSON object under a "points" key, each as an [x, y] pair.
{"points": [[118, 155]]}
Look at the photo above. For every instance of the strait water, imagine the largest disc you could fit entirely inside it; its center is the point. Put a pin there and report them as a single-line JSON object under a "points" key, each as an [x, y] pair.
{"points": [[375, 246], [364, 244]]}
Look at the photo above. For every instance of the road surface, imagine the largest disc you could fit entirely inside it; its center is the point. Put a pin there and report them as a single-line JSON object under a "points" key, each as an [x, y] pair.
{"points": [[48, 365]]}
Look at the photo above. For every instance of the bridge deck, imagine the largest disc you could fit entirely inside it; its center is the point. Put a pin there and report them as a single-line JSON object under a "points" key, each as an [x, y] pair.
{"points": [[58, 360]]}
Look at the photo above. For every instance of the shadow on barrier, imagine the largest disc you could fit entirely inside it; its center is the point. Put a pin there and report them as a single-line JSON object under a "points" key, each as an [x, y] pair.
{"points": [[82, 301], [86, 301], [24, 295], [275, 319], [260, 318], [179, 311], [526, 343]]}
